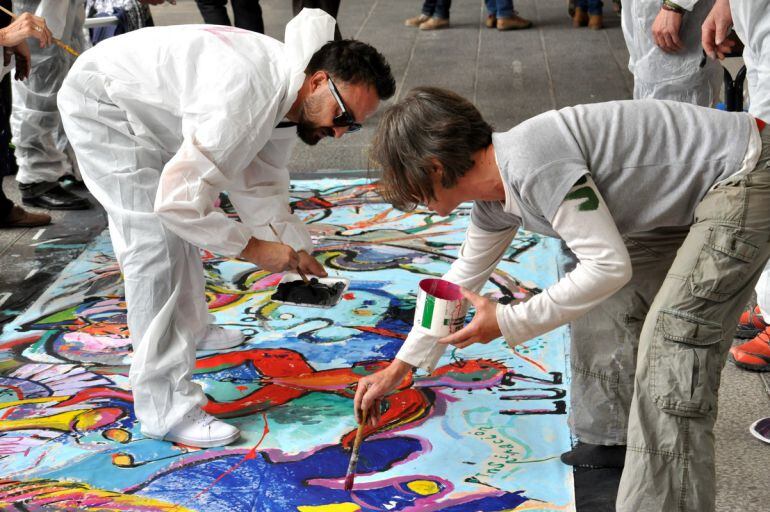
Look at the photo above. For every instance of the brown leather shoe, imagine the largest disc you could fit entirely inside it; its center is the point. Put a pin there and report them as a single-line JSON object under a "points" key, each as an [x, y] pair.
{"points": [[515, 22], [21, 218], [416, 21], [435, 24], [491, 21], [580, 19], [595, 22]]}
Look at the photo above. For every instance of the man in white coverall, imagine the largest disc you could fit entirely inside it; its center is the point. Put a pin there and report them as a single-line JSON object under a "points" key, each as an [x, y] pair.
{"points": [[751, 20], [162, 120], [670, 228], [665, 54]]}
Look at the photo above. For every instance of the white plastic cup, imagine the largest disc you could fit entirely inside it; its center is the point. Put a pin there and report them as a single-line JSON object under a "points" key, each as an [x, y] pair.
{"points": [[440, 309]]}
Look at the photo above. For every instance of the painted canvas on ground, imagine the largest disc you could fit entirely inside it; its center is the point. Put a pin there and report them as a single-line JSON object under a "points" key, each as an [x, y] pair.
{"points": [[482, 433]]}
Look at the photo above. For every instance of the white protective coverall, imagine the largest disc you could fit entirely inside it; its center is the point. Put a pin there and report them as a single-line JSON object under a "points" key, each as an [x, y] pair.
{"points": [[751, 20], [42, 151], [687, 75], [162, 120]]}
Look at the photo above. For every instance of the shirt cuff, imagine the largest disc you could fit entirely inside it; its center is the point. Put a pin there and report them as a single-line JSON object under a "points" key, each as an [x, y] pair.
{"points": [[421, 351]]}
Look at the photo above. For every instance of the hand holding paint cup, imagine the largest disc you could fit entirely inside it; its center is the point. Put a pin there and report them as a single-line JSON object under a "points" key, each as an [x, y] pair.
{"points": [[441, 308]]}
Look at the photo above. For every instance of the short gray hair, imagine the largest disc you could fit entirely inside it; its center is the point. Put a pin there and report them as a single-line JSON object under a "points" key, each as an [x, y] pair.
{"points": [[428, 124]]}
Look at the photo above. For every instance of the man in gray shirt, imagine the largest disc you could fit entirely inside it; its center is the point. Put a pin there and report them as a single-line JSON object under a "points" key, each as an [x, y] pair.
{"points": [[664, 205]]}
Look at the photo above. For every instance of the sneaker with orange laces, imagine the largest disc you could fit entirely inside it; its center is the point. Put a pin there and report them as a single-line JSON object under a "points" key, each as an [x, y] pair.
{"points": [[750, 324], [754, 354]]}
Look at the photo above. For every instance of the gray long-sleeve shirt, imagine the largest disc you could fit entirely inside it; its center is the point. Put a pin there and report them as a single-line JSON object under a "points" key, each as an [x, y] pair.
{"points": [[652, 161]]}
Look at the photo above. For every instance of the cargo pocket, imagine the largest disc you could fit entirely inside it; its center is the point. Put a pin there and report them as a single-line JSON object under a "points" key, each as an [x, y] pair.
{"points": [[722, 265], [684, 364]]}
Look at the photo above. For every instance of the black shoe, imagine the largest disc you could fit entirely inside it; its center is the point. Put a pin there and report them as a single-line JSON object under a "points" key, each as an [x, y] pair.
{"points": [[585, 455], [71, 183], [52, 197]]}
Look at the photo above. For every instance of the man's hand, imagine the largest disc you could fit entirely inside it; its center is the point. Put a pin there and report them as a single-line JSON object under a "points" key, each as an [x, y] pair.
{"points": [[24, 26], [272, 256], [482, 329], [715, 30], [372, 388], [665, 31], [310, 265]]}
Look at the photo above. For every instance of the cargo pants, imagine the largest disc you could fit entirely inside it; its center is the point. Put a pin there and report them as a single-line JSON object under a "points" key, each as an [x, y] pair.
{"points": [[684, 343]]}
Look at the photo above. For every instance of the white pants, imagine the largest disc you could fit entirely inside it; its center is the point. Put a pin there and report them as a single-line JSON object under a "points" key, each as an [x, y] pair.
{"points": [[42, 150], [163, 274]]}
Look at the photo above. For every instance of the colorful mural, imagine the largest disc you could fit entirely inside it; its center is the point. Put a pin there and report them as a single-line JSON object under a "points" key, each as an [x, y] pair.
{"points": [[481, 433]]}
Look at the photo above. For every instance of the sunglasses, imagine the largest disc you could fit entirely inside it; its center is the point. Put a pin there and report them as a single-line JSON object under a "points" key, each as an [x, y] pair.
{"points": [[345, 118]]}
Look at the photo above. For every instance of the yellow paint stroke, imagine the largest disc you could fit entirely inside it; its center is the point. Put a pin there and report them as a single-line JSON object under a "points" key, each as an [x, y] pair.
{"points": [[363, 312], [333, 507], [423, 487], [119, 435], [80, 419], [42, 400], [67, 496]]}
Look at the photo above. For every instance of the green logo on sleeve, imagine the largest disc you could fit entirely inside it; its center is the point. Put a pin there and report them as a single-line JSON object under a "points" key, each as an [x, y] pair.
{"points": [[590, 200]]}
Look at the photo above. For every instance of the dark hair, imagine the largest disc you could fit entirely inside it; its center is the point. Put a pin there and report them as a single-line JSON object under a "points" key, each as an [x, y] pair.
{"points": [[428, 124], [354, 62]]}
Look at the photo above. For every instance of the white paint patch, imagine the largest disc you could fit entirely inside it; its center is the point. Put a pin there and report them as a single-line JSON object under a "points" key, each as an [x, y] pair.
{"points": [[31, 273], [4, 297], [37, 235], [46, 242]]}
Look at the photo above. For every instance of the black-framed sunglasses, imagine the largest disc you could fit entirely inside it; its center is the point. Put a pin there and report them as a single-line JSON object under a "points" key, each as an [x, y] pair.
{"points": [[345, 119]]}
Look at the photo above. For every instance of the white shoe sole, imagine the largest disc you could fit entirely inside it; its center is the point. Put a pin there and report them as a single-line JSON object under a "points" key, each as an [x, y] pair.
{"points": [[753, 431], [198, 443]]}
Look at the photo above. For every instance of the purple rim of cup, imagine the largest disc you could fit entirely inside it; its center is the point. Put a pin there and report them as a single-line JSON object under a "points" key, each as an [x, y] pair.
{"points": [[441, 289]]}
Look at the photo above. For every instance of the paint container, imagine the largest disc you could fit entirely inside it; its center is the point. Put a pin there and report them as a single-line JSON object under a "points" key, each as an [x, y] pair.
{"points": [[293, 276], [441, 308]]}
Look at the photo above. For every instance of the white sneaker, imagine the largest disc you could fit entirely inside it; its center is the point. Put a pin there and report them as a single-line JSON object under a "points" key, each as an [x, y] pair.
{"points": [[219, 338], [199, 429]]}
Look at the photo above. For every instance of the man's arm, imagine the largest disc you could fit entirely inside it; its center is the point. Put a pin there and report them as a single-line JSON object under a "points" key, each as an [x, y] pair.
{"points": [[584, 222], [478, 257]]}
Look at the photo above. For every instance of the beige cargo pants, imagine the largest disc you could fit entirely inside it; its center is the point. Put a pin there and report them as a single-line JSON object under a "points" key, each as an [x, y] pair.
{"points": [[683, 347]]}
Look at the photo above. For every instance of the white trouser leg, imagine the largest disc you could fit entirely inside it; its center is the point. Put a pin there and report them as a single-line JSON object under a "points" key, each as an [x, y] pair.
{"points": [[163, 274]]}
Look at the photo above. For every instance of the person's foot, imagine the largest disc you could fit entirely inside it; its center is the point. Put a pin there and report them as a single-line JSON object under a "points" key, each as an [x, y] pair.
{"points": [[580, 18], [754, 354], [201, 430], [491, 21], [434, 24], [595, 21], [219, 338], [515, 22], [53, 197], [416, 21], [750, 324], [761, 429], [71, 183], [585, 455], [21, 218]]}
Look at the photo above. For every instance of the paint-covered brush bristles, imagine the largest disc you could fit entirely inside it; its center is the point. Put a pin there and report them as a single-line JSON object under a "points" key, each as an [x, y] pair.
{"points": [[351, 474]]}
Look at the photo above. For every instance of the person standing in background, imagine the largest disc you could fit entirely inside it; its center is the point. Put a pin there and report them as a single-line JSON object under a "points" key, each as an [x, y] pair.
{"points": [[13, 39], [42, 149], [665, 54], [247, 14]]}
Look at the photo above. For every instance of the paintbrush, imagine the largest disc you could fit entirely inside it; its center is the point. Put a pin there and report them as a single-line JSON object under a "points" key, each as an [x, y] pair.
{"points": [[301, 274], [57, 42], [351, 474]]}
